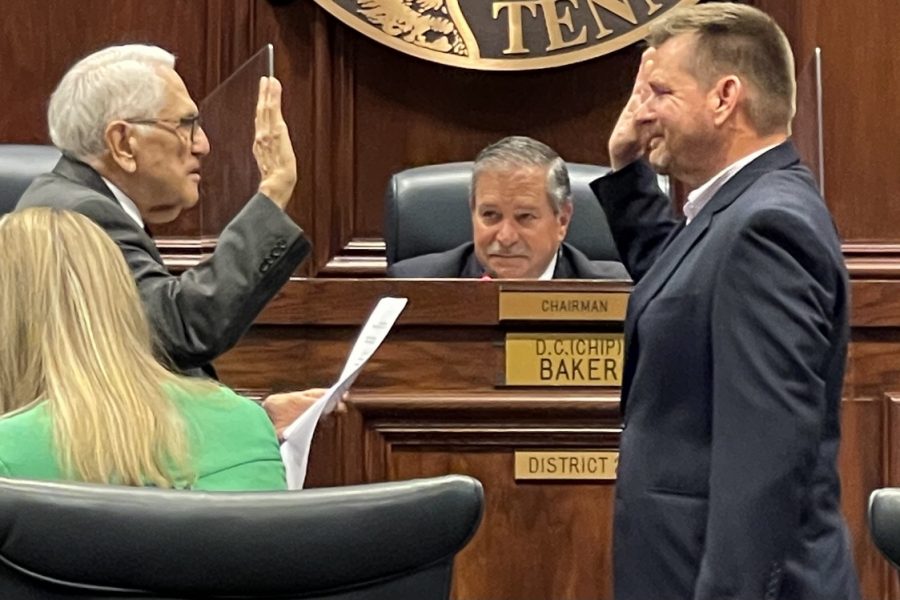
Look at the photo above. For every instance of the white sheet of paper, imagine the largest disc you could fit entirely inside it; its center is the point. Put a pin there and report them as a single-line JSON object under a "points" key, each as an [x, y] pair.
{"points": [[299, 434]]}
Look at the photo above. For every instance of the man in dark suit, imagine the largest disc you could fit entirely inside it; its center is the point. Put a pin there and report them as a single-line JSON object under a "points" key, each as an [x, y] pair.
{"points": [[521, 203], [132, 146], [737, 328]]}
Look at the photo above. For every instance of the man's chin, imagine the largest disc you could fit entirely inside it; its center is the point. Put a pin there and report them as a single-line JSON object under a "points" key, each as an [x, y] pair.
{"points": [[163, 214], [660, 162], [507, 271]]}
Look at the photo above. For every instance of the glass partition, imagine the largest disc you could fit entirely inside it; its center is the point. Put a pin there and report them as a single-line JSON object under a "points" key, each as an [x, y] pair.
{"points": [[807, 129], [230, 174]]}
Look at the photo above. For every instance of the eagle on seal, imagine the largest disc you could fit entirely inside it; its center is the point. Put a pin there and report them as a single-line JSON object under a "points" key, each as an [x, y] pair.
{"points": [[425, 23]]}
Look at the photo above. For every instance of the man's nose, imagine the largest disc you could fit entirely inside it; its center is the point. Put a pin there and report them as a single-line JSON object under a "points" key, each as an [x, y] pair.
{"points": [[200, 147], [646, 112], [507, 234]]}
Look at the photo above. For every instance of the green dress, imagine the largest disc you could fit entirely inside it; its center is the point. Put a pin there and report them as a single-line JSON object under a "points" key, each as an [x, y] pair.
{"points": [[232, 443]]}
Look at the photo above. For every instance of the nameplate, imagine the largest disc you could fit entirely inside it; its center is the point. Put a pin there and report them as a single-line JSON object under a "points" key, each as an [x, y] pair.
{"points": [[563, 306], [564, 359], [597, 465]]}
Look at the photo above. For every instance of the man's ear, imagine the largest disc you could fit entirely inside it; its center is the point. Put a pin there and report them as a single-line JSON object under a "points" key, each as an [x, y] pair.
{"points": [[725, 96], [565, 217], [120, 144]]}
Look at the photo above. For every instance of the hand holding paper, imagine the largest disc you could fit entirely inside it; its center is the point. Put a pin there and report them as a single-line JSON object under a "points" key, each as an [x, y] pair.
{"points": [[298, 436]]}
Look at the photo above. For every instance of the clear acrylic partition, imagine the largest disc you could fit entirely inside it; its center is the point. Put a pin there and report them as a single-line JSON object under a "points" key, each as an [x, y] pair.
{"points": [[807, 128], [230, 176]]}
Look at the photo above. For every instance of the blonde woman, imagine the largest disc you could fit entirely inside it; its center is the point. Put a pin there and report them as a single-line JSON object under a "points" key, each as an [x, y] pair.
{"points": [[83, 396]]}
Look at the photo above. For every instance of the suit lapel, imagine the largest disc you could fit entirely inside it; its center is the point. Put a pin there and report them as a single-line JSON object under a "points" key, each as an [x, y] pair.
{"points": [[683, 241], [471, 268], [565, 268], [85, 175]]}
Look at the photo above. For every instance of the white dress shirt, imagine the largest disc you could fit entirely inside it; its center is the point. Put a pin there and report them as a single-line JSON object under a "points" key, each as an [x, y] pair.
{"points": [[700, 197], [548, 272], [128, 206]]}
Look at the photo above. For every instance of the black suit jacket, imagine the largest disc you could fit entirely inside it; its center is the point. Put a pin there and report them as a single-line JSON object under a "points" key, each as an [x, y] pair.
{"points": [[461, 262], [203, 312], [736, 338]]}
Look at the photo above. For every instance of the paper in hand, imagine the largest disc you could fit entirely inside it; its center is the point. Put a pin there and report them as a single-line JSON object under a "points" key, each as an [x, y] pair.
{"points": [[299, 434]]}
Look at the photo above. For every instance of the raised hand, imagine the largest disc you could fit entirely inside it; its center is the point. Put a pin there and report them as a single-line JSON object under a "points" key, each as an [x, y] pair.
{"points": [[629, 138], [272, 145]]}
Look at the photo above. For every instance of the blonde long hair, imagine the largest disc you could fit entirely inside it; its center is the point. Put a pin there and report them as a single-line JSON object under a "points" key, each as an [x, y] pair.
{"points": [[76, 336]]}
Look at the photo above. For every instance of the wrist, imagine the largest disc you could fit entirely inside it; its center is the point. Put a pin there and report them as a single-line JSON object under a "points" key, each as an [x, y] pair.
{"points": [[276, 194]]}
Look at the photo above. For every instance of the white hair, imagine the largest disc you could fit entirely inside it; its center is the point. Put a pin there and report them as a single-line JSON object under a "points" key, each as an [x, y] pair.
{"points": [[119, 82]]}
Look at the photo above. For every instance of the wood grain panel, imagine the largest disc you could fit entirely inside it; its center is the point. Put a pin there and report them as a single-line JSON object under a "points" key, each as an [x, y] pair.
{"points": [[873, 362], [862, 466], [410, 112], [360, 111], [409, 435], [39, 41], [522, 519], [429, 402], [861, 130], [468, 358]]}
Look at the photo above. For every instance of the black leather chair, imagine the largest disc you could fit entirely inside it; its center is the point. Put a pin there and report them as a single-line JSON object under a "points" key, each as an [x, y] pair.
{"points": [[19, 164], [384, 541], [427, 210], [884, 523]]}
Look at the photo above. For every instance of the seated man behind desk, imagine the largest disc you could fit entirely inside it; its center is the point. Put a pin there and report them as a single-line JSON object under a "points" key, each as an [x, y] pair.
{"points": [[521, 203], [132, 146]]}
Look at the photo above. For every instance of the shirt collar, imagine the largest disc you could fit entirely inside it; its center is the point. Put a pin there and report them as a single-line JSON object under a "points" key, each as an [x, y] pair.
{"points": [[551, 268], [701, 196], [128, 206]]}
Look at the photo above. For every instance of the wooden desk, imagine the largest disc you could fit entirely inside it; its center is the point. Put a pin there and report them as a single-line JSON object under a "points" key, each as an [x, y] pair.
{"points": [[431, 402]]}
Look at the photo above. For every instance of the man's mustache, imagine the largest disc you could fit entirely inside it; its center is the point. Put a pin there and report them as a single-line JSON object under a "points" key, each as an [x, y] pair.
{"points": [[501, 252]]}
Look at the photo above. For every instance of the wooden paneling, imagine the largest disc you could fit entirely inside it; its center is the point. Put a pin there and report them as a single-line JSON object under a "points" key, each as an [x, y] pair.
{"points": [[430, 402], [40, 40], [409, 112], [359, 112], [427, 436], [862, 466], [861, 129]]}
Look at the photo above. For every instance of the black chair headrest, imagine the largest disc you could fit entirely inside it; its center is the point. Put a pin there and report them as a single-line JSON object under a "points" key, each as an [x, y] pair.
{"points": [[102, 540], [427, 210], [19, 165], [884, 522]]}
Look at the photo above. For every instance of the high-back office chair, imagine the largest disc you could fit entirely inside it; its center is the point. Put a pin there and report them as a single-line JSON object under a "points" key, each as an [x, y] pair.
{"points": [[19, 164], [884, 523], [427, 210], [384, 541]]}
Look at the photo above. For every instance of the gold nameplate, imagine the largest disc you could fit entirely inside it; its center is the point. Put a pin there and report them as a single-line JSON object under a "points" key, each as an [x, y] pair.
{"points": [[563, 306], [564, 359], [558, 464]]}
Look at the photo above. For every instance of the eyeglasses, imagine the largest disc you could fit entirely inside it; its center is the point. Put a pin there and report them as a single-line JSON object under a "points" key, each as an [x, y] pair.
{"points": [[184, 124]]}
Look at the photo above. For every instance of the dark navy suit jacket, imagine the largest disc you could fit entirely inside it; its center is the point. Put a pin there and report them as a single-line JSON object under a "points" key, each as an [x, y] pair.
{"points": [[736, 339], [461, 262]]}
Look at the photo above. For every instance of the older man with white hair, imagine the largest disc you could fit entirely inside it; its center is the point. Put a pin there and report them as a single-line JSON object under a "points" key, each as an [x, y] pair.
{"points": [[132, 145]]}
